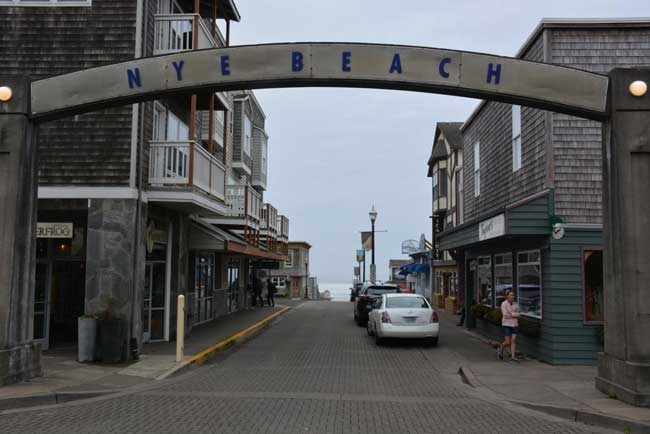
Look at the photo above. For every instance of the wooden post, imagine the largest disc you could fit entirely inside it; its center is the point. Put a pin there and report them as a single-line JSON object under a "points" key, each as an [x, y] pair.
{"points": [[180, 328]]}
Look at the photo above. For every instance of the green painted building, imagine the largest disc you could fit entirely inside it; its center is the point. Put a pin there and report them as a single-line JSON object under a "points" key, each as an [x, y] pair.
{"points": [[528, 213]]}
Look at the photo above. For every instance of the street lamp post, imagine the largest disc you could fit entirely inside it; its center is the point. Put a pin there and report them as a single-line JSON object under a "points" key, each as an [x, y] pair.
{"points": [[373, 217]]}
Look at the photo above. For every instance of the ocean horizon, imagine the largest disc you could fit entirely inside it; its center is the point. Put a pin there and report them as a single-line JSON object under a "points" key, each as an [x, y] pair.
{"points": [[339, 291]]}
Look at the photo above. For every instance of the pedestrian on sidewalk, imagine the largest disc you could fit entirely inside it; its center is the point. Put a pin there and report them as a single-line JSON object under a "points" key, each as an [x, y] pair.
{"points": [[271, 289], [510, 326], [257, 291]]}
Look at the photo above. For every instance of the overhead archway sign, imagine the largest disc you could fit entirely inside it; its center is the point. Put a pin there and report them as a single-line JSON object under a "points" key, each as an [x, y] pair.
{"points": [[398, 67]]}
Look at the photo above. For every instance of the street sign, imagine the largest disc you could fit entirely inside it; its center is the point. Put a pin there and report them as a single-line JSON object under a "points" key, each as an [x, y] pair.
{"points": [[360, 256]]}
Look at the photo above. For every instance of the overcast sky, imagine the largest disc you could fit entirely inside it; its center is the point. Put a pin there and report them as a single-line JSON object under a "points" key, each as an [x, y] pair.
{"points": [[333, 153]]}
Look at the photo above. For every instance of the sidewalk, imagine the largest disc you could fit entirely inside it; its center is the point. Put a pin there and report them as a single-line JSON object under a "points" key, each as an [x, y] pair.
{"points": [[65, 379], [566, 391]]}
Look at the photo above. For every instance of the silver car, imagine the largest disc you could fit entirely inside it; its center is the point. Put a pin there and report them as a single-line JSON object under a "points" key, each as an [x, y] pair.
{"points": [[403, 316]]}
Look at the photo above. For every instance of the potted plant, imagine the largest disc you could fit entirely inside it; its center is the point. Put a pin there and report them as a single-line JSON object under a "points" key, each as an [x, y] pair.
{"points": [[87, 346], [112, 334]]}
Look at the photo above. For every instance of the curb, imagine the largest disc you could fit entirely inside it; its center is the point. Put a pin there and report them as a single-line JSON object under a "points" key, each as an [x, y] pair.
{"points": [[51, 398], [575, 415], [54, 398], [590, 418], [205, 355]]}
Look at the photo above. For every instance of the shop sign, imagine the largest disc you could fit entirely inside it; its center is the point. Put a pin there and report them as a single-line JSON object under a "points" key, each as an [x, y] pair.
{"points": [[360, 256], [410, 246], [492, 228], [54, 230], [268, 265]]}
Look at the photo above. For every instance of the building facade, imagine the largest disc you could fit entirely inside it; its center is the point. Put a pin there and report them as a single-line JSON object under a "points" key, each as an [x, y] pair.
{"points": [[141, 203], [531, 211], [292, 278]]}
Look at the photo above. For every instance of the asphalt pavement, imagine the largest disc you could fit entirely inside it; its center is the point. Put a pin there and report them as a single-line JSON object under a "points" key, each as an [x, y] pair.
{"points": [[312, 371]]}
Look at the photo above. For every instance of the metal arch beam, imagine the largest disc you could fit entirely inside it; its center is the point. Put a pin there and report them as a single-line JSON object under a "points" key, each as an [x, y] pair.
{"points": [[420, 69]]}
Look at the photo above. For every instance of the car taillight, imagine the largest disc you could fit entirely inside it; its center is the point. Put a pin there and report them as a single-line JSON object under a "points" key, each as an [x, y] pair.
{"points": [[434, 317], [384, 317]]}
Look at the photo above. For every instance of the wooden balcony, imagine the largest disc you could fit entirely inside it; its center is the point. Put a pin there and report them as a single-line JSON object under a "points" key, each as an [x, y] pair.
{"points": [[244, 213], [186, 165], [269, 227], [174, 33]]}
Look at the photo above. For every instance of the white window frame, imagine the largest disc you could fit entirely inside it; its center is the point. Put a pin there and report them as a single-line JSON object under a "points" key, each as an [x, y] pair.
{"points": [[539, 263], [159, 115], [75, 3], [477, 169], [516, 138], [289, 263], [279, 281], [247, 135]]}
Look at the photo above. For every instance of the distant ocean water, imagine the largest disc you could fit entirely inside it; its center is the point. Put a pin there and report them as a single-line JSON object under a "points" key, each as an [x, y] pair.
{"points": [[339, 291]]}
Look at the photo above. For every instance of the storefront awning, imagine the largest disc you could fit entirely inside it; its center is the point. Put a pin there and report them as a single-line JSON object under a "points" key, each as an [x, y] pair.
{"points": [[413, 268]]}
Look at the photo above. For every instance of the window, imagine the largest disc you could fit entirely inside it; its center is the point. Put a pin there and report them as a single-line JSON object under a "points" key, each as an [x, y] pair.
{"points": [[529, 283], [45, 2], [461, 199], [485, 293], [502, 276], [289, 262], [442, 182], [248, 133], [264, 153], [203, 287], [435, 184], [407, 303], [477, 169], [592, 269], [516, 137], [159, 122], [280, 282]]}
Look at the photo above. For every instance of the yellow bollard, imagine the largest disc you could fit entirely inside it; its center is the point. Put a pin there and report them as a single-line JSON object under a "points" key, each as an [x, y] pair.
{"points": [[180, 328]]}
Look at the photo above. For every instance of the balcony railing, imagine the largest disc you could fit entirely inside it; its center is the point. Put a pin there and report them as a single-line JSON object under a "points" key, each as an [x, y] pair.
{"points": [[169, 164], [174, 32], [243, 201], [283, 228], [269, 219]]}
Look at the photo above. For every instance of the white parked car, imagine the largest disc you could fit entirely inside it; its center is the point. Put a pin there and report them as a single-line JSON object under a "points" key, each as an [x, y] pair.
{"points": [[403, 316]]}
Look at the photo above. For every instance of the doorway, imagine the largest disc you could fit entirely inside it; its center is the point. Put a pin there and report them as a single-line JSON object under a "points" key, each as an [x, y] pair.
{"points": [[154, 303]]}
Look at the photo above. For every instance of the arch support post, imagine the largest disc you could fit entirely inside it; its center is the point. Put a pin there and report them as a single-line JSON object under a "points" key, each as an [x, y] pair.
{"points": [[624, 366], [19, 355]]}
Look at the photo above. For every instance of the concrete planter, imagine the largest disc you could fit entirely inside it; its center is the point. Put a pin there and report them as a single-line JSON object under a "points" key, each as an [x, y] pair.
{"points": [[87, 339]]}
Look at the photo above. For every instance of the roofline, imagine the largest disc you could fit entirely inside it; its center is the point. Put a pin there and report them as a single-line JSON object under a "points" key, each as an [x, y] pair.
{"points": [[243, 95], [563, 23], [235, 11], [304, 243]]}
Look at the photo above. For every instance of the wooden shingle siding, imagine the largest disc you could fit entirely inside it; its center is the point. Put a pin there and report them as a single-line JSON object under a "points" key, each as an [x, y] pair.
{"points": [[93, 148], [577, 142], [492, 128], [565, 333]]}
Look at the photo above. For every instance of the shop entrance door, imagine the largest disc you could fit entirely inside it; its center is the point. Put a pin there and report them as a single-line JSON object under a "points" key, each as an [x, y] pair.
{"points": [[153, 316], [42, 304], [66, 303]]}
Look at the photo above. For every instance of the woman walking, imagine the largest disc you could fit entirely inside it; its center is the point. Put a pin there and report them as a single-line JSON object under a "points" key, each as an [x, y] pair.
{"points": [[510, 326]]}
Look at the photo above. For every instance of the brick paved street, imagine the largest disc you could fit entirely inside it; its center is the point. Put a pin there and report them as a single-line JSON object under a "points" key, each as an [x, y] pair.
{"points": [[313, 371]]}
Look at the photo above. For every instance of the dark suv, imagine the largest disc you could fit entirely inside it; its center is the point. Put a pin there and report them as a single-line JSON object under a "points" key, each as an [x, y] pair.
{"points": [[367, 296]]}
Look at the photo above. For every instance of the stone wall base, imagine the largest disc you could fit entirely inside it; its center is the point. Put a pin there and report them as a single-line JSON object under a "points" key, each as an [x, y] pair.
{"points": [[20, 363], [626, 381]]}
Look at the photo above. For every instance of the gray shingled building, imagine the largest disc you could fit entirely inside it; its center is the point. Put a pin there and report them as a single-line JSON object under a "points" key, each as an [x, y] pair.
{"points": [[532, 189]]}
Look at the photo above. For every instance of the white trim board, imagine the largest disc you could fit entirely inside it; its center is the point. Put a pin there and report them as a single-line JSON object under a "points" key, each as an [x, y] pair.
{"points": [[89, 193]]}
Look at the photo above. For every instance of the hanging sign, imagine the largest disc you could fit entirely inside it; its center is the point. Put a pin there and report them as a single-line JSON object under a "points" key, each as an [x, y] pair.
{"points": [[54, 230], [410, 246], [361, 256]]}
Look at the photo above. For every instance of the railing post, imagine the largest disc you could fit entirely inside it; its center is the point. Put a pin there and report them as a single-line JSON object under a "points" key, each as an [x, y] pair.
{"points": [[180, 328]]}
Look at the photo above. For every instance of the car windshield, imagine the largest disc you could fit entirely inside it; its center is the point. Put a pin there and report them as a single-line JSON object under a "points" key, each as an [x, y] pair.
{"points": [[378, 290], [406, 303]]}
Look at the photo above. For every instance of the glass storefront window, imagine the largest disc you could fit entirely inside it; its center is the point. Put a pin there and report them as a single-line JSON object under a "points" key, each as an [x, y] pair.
{"points": [[203, 287], [485, 292], [529, 283], [502, 276], [233, 285], [592, 266]]}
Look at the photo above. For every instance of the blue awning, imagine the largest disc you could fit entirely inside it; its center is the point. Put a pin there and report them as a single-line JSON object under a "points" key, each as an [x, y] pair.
{"points": [[413, 268]]}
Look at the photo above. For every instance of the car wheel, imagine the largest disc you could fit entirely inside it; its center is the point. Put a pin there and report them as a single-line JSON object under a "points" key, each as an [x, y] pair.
{"points": [[434, 342]]}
